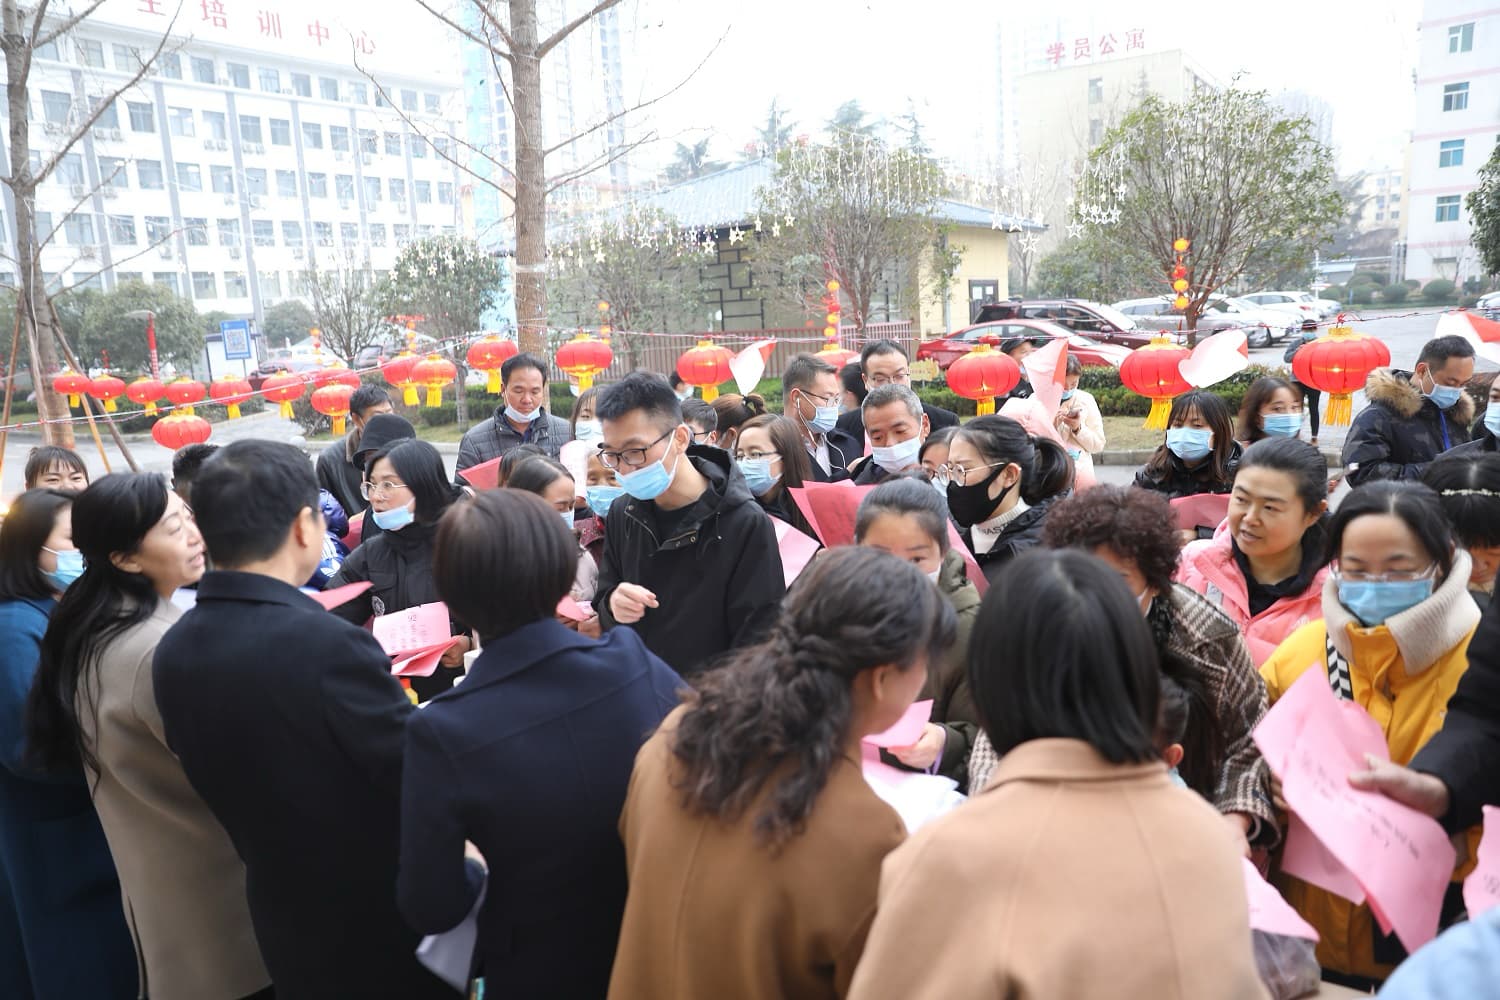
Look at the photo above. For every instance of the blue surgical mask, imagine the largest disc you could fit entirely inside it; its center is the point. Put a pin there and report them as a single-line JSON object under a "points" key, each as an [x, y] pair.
{"points": [[1492, 419], [515, 416], [1190, 443], [600, 498], [757, 473], [588, 430], [825, 418], [1375, 601], [1282, 424], [567, 519], [394, 519], [1068, 393], [650, 482], [69, 567], [1176, 778], [896, 457], [1444, 396]]}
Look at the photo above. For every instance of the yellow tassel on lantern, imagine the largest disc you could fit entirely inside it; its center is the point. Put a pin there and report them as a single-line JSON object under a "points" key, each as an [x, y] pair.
{"points": [[74, 401], [1340, 410], [186, 409], [434, 395], [151, 409], [710, 392], [409, 394], [109, 405], [286, 410], [338, 426], [1161, 408], [492, 382], [233, 409], [985, 406]]}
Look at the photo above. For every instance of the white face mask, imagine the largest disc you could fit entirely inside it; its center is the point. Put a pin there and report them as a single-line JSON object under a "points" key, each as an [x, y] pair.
{"points": [[588, 430], [897, 457], [933, 576]]}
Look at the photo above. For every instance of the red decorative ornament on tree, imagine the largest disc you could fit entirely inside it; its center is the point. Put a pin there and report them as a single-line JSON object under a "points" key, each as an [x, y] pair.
{"points": [[71, 384], [487, 354], [283, 387], [706, 366], [583, 358], [397, 372], [435, 372], [983, 374], [332, 401], [184, 392], [107, 388], [146, 391], [1152, 371], [1338, 363], [179, 429], [230, 391]]}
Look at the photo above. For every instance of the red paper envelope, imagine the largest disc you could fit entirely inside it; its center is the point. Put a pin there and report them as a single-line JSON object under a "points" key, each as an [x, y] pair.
{"points": [[485, 475], [331, 599], [796, 548], [412, 628], [420, 662], [908, 728], [1268, 911], [572, 610], [1202, 510], [830, 509]]}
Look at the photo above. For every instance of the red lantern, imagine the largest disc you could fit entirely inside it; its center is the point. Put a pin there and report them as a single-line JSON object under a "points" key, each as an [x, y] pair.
{"points": [[108, 388], [184, 392], [706, 366], [283, 387], [1338, 363], [487, 354], [146, 391], [397, 372], [983, 374], [335, 374], [1151, 371], [332, 400], [583, 358], [435, 372], [230, 391], [180, 428], [835, 354], [71, 384]]}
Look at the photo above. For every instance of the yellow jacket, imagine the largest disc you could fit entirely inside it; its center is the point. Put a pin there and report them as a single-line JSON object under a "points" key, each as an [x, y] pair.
{"points": [[1403, 673]]}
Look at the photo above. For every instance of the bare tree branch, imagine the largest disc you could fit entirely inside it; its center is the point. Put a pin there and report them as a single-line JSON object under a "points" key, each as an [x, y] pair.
{"points": [[599, 162], [561, 33], [470, 35], [67, 25]]}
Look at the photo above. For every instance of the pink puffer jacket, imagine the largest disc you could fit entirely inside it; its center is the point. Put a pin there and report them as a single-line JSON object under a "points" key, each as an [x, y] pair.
{"points": [[1208, 567]]}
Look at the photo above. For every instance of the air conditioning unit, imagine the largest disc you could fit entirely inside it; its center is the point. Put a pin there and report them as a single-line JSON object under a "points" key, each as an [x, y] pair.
{"points": [[114, 134], [325, 241], [88, 251], [52, 128], [345, 203], [286, 91], [400, 204], [256, 147], [110, 191], [340, 157], [77, 190], [165, 251], [255, 203], [235, 252], [229, 199], [223, 81]]}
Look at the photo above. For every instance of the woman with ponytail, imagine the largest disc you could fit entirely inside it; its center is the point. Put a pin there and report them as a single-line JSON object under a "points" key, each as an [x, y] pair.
{"points": [[94, 703], [752, 840], [1000, 482]]}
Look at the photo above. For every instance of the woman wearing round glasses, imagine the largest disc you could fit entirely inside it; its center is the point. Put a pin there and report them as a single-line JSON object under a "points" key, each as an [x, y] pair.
{"points": [[1397, 620]]}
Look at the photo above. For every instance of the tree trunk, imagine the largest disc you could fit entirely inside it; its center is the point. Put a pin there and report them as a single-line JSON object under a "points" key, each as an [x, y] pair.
{"points": [[531, 179]]}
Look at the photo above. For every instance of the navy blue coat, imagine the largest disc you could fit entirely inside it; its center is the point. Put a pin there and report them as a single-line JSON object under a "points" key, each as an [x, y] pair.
{"points": [[530, 759], [289, 725], [62, 928]]}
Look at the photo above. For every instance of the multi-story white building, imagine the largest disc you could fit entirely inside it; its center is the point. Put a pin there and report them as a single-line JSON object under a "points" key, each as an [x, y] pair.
{"points": [[1383, 190], [255, 150], [1456, 128]]}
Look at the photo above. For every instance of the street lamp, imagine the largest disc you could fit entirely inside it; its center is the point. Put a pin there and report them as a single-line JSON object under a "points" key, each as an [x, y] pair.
{"points": [[150, 318]]}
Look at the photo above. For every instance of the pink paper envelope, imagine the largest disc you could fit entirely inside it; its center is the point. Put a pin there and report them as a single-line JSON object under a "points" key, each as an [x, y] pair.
{"points": [[907, 730], [830, 509], [796, 549], [356, 531], [1306, 858], [331, 599], [1482, 887], [420, 662], [412, 629], [1202, 510], [571, 610], [1268, 911], [485, 475]]}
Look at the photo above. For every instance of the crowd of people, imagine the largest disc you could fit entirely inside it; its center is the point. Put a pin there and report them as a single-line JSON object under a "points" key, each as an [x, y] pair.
{"points": [[638, 763]]}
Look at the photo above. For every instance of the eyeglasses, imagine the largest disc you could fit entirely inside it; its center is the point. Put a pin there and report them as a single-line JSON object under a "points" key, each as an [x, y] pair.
{"points": [[756, 456], [371, 490], [630, 457], [899, 378], [701, 437], [959, 475], [1394, 576], [827, 400]]}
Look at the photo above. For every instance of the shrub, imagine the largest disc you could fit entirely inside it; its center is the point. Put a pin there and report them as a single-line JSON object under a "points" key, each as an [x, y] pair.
{"points": [[1394, 294], [1412, 283], [438, 416], [1438, 290], [1469, 301], [1364, 278], [1363, 294]]}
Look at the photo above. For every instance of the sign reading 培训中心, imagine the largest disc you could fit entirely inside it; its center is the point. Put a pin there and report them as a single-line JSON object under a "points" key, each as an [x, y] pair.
{"points": [[1088, 48]]}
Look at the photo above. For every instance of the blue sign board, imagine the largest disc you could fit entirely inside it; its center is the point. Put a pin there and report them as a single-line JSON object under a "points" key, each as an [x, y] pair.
{"points": [[236, 336]]}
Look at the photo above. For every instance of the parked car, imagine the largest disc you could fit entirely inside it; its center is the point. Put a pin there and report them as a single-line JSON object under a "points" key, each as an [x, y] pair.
{"points": [[1299, 303], [1490, 305], [294, 365], [1092, 319], [954, 346], [389, 345], [1262, 328]]}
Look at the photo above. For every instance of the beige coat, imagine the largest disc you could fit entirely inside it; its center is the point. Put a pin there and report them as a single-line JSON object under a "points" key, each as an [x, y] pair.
{"points": [[1067, 877], [714, 915], [183, 883]]}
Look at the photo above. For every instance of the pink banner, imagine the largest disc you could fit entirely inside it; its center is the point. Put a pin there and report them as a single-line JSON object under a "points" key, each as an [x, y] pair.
{"points": [[796, 548], [1268, 911], [1482, 887]]}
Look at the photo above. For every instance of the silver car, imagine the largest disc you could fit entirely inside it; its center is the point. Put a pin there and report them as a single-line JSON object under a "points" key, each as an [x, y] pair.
{"points": [[1262, 327]]}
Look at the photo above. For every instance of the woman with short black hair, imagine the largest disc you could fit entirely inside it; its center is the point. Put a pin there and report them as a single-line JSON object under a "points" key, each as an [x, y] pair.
{"points": [[528, 760], [1468, 484]]}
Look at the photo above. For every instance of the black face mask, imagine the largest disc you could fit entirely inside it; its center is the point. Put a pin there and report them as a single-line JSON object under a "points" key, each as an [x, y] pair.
{"points": [[972, 503]]}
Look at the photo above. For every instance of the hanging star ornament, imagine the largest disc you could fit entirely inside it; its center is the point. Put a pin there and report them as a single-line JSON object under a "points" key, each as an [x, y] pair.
{"points": [[1075, 230], [1029, 243], [735, 235]]}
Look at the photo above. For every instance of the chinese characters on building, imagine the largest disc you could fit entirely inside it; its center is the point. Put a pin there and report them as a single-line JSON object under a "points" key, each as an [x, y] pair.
{"points": [[217, 14], [1089, 48]]}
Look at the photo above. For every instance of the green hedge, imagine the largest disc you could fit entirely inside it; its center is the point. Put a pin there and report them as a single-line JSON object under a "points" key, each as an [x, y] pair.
{"points": [[1114, 400], [1394, 294], [1362, 294], [1438, 290]]}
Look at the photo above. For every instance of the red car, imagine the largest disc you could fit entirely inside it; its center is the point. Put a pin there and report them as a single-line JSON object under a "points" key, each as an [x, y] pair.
{"points": [[956, 345]]}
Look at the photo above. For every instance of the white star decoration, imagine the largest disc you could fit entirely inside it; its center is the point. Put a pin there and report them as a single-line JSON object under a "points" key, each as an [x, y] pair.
{"points": [[1029, 243], [735, 235], [1075, 230]]}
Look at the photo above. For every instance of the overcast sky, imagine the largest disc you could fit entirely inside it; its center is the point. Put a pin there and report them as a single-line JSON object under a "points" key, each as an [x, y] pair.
{"points": [[939, 56]]}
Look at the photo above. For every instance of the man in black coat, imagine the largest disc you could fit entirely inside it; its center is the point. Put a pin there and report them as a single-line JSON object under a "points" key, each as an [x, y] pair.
{"points": [[690, 559], [897, 427], [1412, 417], [289, 725], [885, 363], [339, 470], [812, 391]]}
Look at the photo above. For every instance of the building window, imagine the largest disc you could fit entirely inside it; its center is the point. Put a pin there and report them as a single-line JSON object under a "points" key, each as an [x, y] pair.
{"points": [[286, 183], [158, 229], [204, 286], [402, 234], [42, 225], [56, 106], [234, 285], [418, 147], [349, 233], [440, 144], [170, 64], [398, 189], [291, 234], [180, 122], [312, 135], [328, 89], [148, 175], [122, 230], [1451, 153], [91, 53], [1461, 38], [301, 84], [1447, 208], [281, 132], [270, 284], [263, 232], [270, 80], [359, 93], [221, 179], [203, 69], [343, 187], [338, 138], [78, 229], [317, 185], [216, 125], [142, 116], [367, 141], [445, 193], [408, 100], [1096, 90], [250, 129], [109, 116], [112, 171], [229, 232], [70, 169], [1456, 96], [197, 232], [47, 51], [1395, 215], [126, 58], [393, 143], [377, 234], [432, 103], [168, 278], [323, 233], [423, 192], [123, 276], [372, 189], [86, 279], [1096, 131], [380, 101], [189, 177], [255, 181]]}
